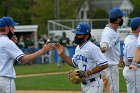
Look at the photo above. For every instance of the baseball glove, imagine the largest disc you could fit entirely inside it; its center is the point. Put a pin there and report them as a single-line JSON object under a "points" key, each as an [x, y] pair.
{"points": [[76, 76]]}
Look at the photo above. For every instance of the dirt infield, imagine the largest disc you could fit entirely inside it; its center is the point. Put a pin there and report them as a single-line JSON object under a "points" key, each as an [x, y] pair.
{"points": [[36, 91]]}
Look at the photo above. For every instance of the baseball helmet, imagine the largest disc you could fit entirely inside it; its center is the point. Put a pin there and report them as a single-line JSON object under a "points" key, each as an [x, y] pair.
{"points": [[135, 23], [82, 28], [115, 13], [7, 21]]}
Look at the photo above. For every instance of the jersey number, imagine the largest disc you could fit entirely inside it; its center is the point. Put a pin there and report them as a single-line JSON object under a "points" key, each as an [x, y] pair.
{"points": [[85, 67]]}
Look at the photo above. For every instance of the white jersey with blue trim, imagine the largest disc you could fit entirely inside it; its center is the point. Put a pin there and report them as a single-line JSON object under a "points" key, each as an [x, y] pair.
{"points": [[87, 57], [130, 44], [138, 45], [8, 53], [111, 37]]}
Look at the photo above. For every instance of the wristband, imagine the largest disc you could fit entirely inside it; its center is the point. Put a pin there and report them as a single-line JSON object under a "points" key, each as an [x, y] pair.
{"points": [[90, 71]]}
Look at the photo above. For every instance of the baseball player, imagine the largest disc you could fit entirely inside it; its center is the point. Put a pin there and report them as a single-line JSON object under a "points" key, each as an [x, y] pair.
{"points": [[65, 41], [130, 43], [10, 52], [136, 59], [110, 46], [88, 57]]}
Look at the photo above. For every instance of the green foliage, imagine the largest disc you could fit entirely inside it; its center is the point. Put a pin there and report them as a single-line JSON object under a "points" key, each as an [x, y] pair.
{"points": [[17, 9], [38, 12], [43, 10], [27, 12], [135, 12], [69, 9], [100, 13]]}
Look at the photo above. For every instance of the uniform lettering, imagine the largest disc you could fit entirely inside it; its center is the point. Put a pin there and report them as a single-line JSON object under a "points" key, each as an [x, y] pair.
{"points": [[80, 57]]}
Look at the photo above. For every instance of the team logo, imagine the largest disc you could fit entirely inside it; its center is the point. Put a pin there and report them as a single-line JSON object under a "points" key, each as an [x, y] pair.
{"points": [[78, 28]]}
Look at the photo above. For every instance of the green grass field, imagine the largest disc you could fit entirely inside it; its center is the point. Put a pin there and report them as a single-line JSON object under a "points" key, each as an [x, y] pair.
{"points": [[44, 68], [49, 82]]}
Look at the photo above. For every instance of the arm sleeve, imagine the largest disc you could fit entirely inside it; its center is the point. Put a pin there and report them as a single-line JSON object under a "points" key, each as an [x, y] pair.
{"points": [[138, 45], [106, 38], [98, 56], [13, 51], [74, 63], [73, 60], [130, 49]]}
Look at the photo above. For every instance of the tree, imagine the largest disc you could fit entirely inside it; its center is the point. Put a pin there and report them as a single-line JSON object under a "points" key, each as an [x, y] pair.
{"points": [[69, 9], [27, 12], [43, 10], [17, 9], [99, 14], [136, 5]]}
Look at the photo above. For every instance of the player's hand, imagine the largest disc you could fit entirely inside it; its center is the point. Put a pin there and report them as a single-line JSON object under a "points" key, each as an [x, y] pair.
{"points": [[122, 63], [103, 49], [133, 67], [59, 48], [14, 38], [48, 46]]}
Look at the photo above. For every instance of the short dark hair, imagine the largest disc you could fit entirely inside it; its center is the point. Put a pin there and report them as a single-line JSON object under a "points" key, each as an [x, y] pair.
{"points": [[113, 20], [89, 36], [2, 29]]}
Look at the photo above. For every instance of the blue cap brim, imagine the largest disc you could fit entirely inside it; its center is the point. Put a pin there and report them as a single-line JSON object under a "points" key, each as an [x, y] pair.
{"points": [[124, 13], [77, 32], [14, 24]]}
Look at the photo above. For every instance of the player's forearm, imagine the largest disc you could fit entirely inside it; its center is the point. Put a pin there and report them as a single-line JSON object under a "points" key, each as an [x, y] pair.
{"points": [[66, 59], [30, 57], [98, 68], [136, 57], [129, 60]]}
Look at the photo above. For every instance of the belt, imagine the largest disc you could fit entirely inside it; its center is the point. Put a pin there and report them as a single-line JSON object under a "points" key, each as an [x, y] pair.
{"points": [[91, 80]]}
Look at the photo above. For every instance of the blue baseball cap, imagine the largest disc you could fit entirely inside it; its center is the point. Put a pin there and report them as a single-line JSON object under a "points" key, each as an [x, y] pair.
{"points": [[7, 21], [135, 23], [115, 13], [82, 28]]}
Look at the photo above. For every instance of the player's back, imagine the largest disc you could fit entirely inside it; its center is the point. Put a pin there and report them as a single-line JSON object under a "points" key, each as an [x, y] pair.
{"points": [[130, 44]]}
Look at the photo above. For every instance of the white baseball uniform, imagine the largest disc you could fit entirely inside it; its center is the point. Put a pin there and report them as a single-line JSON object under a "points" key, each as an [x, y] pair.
{"points": [[111, 37], [138, 45], [132, 76], [8, 52], [85, 58]]}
